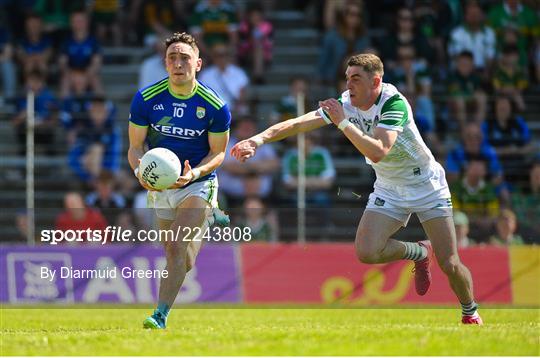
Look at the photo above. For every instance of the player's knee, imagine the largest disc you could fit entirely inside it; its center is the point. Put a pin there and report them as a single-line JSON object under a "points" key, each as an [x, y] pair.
{"points": [[367, 256], [175, 256], [450, 266]]}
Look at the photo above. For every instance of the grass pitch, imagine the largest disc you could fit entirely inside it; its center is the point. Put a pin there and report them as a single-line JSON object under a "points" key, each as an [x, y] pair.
{"points": [[265, 331]]}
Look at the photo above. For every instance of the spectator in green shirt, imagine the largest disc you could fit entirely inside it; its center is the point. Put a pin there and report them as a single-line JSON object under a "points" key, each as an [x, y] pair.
{"points": [[464, 88], [526, 204], [506, 228], [319, 170], [213, 22], [513, 14], [476, 197], [509, 78], [261, 223]]}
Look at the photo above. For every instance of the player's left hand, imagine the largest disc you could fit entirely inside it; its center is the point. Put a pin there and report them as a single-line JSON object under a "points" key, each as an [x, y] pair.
{"points": [[334, 109], [185, 178]]}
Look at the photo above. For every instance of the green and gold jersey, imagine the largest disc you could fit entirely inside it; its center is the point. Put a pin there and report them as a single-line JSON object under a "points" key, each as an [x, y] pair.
{"points": [[409, 161]]}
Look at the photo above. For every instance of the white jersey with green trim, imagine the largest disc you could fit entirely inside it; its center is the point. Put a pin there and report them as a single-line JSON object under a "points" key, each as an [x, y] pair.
{"points": [[409, 161]]}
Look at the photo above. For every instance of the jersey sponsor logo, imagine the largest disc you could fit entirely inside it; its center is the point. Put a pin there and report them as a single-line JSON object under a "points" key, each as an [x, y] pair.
{"points": [[178, 132], [201, 111], [158, 107]]}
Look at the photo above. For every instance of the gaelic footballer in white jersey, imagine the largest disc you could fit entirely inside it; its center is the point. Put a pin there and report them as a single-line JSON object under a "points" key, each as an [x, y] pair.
{"points": [[379, 122], [409, 163]]}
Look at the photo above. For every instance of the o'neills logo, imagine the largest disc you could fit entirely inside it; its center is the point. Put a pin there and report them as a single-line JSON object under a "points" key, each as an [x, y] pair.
{"points": [[148, 176]]}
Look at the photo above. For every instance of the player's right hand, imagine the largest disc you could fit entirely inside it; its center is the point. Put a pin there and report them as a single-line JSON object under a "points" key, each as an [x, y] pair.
{"points": [[244, 150], [142, 182]]}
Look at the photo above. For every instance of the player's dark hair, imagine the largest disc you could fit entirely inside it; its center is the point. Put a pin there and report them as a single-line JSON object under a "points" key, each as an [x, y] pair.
{"points": [[36, 74], [466, 53], [369, 62], [98, 98], [183, 37]]}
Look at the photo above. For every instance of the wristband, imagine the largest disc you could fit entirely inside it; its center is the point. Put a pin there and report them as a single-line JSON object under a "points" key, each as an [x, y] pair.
{"points": [[136, 172], [196, 174], [343, 124], [258, 141]]}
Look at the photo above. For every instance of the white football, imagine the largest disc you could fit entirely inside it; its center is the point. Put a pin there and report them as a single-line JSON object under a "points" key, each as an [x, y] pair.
{"points": [[160, 168]]}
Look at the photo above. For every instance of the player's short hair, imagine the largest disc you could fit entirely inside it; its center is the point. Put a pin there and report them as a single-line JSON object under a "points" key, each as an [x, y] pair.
{"points": [[466, 54], [182, 37], [369, 62]]}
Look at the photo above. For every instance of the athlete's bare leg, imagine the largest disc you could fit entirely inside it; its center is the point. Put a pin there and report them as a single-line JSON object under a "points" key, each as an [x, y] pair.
{"points": [[181, 254], [441, 233], [373, 243]]}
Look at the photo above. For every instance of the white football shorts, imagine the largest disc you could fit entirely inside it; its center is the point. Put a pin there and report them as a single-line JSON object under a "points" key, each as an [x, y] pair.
{"points": [[165, 202], [428, 199]]}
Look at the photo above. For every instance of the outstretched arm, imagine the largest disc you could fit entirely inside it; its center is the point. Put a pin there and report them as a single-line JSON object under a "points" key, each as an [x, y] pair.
{"points": [[245, 149], [375, 148]]}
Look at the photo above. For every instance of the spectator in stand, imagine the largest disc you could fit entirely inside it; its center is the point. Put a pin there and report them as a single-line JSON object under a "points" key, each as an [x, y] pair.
{"points": [[509, 134], [79, 217], [476, 37], [412, 78], [56, 17], [104, 196], [332, 10], [98, 142], [7, 67], [153, 68], [35, 50], [461, 222], [227, 79], [126, 221], [404, 34], [510, 38], [253, 178], [435, 20], [476, 197], [473, 145], [464, 89], [262, 224], [286, 108], [106, 17], [509, 78], [514, 15], [346, 38], [214, 22], [74, 108], [408, 72], [46, 115], [255, 43], [526, 204], [425, 118], [150, 17], [80, 51], [506, 227], [21, 225], [319, 170], [144, 216]]}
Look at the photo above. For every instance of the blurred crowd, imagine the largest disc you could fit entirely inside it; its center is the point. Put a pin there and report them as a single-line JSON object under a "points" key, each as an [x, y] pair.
{"points": [[468, 68]]}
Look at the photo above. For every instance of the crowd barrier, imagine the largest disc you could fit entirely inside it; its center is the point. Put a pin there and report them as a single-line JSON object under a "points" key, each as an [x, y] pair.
{"points": [[260, 274]]}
